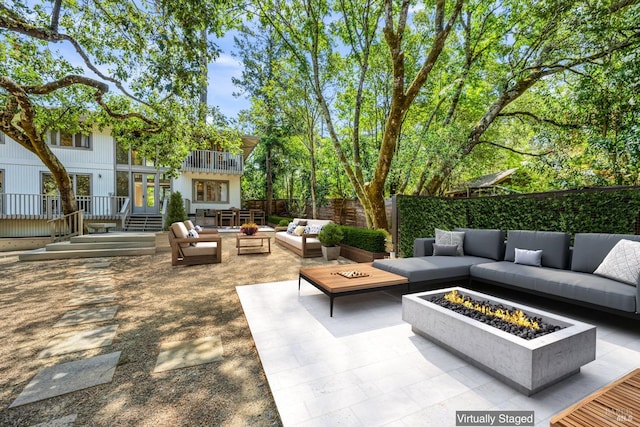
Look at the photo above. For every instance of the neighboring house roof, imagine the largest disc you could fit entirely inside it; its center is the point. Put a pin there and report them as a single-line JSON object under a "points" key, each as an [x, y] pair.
{"points": [[248, 144], [485, 181], [489, 180]]}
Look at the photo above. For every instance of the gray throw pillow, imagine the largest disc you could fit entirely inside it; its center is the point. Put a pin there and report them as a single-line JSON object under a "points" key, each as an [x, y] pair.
{"points": [[528, 257], [622, 263], [451, 238], [445, 250]]}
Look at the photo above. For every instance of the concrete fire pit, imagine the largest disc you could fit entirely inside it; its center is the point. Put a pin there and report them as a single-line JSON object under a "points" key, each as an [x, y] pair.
{"points": [[526, 365]]}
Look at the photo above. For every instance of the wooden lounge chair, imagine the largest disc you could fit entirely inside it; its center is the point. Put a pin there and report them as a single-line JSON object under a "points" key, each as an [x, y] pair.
{"points": [[206, 249]]}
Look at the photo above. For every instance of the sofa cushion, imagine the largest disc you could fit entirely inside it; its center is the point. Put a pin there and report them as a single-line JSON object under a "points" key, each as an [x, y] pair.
{"points": [[483, 243], [428, 268], [528, 257], [622, 263], [299, 230], [423, 246], [590, 249], [203, 248], [181, 232], [445, 250], [296, 241], [554, 245], [563, 283], [451, 238], [291, 227]]}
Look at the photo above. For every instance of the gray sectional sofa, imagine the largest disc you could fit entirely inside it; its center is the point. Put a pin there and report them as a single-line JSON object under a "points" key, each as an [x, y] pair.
{"points": [[565, 273]]}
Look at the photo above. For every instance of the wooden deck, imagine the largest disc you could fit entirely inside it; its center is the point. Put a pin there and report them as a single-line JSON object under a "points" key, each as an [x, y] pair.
{"points": [[615, 404]]}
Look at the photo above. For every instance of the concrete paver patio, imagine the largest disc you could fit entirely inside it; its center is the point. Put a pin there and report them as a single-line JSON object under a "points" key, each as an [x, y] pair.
{"points": [[365, 366]]}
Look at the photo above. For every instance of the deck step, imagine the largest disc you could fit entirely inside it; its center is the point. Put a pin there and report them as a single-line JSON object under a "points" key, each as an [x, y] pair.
{"points": [[91, 246], [114, 237], [96, 245], [42, 254]]}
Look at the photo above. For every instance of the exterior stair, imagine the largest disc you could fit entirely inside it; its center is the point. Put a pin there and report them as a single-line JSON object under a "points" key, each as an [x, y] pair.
{"points": [[96, 245], [144, 223]]}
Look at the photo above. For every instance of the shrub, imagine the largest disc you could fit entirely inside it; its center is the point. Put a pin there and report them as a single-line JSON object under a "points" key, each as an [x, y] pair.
{"points": [[279, 220], [175, 210], [364, 238], [330, 235]]}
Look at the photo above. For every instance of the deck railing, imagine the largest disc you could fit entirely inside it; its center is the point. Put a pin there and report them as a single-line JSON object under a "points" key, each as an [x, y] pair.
{"points": [[29, 206], [213, 162], [67, 226]]}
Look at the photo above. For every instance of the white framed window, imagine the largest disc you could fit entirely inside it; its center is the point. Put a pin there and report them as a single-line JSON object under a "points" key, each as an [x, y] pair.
{"points": [[67, 140], [81, 184], [207, 190]]}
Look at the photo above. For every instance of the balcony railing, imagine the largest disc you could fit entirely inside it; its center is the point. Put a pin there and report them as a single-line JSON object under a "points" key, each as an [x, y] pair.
{"points": [[213, 162], [24, 206]]}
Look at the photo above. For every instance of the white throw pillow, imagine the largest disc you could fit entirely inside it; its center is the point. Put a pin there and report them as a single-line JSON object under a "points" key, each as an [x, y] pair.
{"points": [[622, 263], [194, 235], [198, 228], [451, 238], [528, 257]]}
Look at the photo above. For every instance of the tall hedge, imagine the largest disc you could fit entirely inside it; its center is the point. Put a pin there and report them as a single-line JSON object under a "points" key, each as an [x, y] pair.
{"points": [[369, 240], [604, 210]]}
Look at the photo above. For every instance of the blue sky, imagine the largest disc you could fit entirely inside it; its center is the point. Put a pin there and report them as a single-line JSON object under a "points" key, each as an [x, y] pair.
{"points": [[221, 88]]}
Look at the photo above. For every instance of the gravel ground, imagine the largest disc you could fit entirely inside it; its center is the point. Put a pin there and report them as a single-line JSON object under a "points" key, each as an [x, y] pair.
{"points": [[157, 303]]}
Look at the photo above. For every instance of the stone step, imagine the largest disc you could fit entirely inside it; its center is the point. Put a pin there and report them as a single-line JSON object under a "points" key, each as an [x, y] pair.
{"points": [[90, 246], [114, 237], [42, 254]]}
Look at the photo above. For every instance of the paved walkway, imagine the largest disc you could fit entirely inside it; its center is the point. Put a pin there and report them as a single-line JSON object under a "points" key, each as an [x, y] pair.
{"points": [[89, 304], [365, 367]]}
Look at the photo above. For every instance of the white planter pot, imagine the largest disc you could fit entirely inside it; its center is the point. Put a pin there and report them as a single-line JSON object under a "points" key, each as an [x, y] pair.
{"points": [[330, 252]]}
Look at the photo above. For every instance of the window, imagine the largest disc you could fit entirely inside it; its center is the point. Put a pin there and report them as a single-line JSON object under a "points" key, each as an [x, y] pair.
{"points": [[81, 184], [64, 139], [210, 191], [1, 138], [1, 181]]}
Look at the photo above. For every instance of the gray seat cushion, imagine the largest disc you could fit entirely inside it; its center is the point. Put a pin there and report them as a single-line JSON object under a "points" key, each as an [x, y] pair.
{"points": [[554, 245], [590, 249], [427, 268], [564, 283], [483, 243]]}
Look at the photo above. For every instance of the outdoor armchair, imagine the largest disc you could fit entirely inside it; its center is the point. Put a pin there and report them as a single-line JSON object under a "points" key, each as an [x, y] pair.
{"points": [[185, 250]]}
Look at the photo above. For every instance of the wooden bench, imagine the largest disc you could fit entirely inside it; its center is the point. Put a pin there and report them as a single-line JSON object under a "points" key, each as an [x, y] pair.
{"points": [[615, 404], [100, 227]]}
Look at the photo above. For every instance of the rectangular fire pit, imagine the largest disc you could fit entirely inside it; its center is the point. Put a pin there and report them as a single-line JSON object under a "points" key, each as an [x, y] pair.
{"points": [[526, 365]]}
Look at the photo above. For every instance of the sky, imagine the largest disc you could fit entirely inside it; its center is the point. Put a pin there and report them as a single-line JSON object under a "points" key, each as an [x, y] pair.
{"points": [[221, 88]]}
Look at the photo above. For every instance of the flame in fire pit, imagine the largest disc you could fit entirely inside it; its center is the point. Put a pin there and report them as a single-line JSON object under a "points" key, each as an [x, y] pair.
{"points": [[517, 317]]}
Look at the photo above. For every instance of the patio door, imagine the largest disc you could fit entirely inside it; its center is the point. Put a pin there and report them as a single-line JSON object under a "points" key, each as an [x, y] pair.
{"points": [[144, 193]]}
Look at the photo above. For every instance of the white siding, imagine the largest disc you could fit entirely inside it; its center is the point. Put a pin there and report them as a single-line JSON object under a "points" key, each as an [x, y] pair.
{"points": [[183, 184], [23, 168]]}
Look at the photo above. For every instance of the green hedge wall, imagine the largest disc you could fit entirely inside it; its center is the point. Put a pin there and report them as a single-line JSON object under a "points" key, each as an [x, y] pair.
{"points": [[606, 210], [363, 238]]}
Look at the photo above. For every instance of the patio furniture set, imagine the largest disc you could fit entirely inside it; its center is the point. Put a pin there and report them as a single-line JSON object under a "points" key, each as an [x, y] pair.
{"points": [[229, 217], [192, 245], [599, 271]]}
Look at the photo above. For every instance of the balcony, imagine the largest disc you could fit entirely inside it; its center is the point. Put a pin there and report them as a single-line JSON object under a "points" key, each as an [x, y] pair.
{"points": [[208, 161]]}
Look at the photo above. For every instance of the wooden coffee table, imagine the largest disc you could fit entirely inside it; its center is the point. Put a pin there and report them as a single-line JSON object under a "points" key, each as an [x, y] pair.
{"points": [[251, 246], [334, 285]]}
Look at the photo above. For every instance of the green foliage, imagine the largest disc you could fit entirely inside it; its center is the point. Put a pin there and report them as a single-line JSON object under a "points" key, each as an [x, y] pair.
{"points": [[364, 238], [586, 211], [330, 235], [279, 220], [175, 210]]}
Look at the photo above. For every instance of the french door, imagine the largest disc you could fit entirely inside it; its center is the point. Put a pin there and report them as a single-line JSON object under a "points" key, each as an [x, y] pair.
{"points": [[144, 193]]}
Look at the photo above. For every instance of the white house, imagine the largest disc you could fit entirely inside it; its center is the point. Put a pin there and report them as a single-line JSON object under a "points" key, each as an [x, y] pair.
{"points": [[110, 183]]}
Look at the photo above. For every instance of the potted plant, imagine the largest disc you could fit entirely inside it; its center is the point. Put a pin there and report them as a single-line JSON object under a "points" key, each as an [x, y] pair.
{"points": [[330, 236], [249, 228]]}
